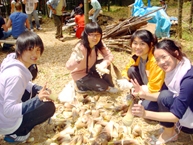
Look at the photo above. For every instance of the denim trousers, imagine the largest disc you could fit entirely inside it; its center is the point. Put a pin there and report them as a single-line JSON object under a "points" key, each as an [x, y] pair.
{"points": [[35, 15], [165, 101], [34, 112], [6, 34]]}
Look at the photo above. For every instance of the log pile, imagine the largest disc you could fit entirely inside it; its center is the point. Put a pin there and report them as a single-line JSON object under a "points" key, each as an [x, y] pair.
{"points": [[117, 36]]}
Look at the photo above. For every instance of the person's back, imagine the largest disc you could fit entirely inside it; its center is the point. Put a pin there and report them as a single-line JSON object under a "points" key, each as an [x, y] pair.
{"points": [[19, 21]]}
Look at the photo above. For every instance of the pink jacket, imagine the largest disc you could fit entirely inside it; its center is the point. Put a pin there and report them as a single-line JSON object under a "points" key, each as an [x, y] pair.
{"points": [[78, 69]]}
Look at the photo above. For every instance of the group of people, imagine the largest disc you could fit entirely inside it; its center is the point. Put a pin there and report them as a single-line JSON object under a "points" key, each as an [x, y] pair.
{"points": [[30, 10], [57, 8], [158, 73], [19, 21]]}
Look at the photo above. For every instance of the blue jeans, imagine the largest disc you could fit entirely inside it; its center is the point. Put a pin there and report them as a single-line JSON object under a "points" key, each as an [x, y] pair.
{"points": [[6, 34], [34, 112], [165, 101], [35, 15]]}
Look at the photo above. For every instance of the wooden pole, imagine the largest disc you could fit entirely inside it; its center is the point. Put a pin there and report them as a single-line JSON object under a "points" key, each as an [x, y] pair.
{"points": [[180, 6], [191, 15], [86, 20]]}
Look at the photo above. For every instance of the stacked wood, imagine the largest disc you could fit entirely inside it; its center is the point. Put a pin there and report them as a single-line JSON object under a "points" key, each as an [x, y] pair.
{"points": [[118, 36]]}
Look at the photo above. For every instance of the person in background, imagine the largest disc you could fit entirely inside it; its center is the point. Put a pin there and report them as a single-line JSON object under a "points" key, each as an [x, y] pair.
{"points": [[4, 33], [18, 21], [163, 4], [30, 9], [143, 67], [89, 73], [80, 5], [94, 12], [13, 2], [57, 7], [79, 20], [19, 113], [175, 101]]}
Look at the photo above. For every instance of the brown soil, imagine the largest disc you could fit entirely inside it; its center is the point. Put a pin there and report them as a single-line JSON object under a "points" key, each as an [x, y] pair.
{"points": [[52, 70]]}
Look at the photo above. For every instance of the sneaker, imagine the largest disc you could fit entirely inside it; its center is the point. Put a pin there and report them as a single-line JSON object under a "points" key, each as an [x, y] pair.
{"points": [[112, 90], [32, 30], [61, 38], [14, 138], [39, 28]]}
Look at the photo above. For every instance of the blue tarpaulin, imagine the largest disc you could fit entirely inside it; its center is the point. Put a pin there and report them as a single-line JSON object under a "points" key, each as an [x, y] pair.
{"points": [[160, 18]]}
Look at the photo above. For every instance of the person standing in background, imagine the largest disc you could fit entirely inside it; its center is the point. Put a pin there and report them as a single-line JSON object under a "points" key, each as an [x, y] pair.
{"points": [[30, 9], [13, 2], [57, 7], [163, 4], [96, 7]]}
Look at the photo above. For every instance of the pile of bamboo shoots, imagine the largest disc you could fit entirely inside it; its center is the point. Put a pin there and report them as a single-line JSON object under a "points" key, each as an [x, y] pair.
{"points": [[91, 119]]}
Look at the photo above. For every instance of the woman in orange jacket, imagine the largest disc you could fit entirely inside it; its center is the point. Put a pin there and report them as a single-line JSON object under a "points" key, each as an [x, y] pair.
{"points": [[143, 67]]}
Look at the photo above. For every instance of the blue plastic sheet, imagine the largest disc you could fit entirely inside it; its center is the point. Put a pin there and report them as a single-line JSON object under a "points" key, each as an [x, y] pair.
{"points": [[160, 18]]}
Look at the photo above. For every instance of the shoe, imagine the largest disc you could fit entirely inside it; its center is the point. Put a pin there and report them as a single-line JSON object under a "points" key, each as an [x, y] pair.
{"points": [[112, 90], [61, 39], [173, 138], [39, 28], [32, 30], [14, 138], [57, 37]]}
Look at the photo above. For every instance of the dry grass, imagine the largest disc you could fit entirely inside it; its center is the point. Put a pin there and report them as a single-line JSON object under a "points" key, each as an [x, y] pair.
{"points": [[52, 70]]}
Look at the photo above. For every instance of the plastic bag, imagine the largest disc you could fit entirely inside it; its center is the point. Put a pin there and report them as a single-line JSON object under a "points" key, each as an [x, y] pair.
{"points": [[68, 93]]}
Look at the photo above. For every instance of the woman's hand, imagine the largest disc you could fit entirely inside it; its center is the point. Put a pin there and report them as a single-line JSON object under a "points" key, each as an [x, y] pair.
{"points": [[136, 85], [138, 91], [44, 94], [138, 110]]}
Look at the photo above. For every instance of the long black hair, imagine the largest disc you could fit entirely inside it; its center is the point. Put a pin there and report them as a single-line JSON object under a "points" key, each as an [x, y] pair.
{"points": [[91, 28], [171, 47]]}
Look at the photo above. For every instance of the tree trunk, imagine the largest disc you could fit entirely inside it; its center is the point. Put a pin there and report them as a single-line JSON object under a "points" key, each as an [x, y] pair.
{"points": [[191, 15], [180, 6], [108, 5], [86, 20]]}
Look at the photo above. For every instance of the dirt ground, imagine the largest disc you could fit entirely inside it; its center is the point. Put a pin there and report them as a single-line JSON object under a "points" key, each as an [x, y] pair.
{"points": [[52, 70]]}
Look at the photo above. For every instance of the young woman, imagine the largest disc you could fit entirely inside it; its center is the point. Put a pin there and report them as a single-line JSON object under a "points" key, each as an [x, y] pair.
{"points": [[89, 73], [19, 111], [175, 101], [143, 66]]}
